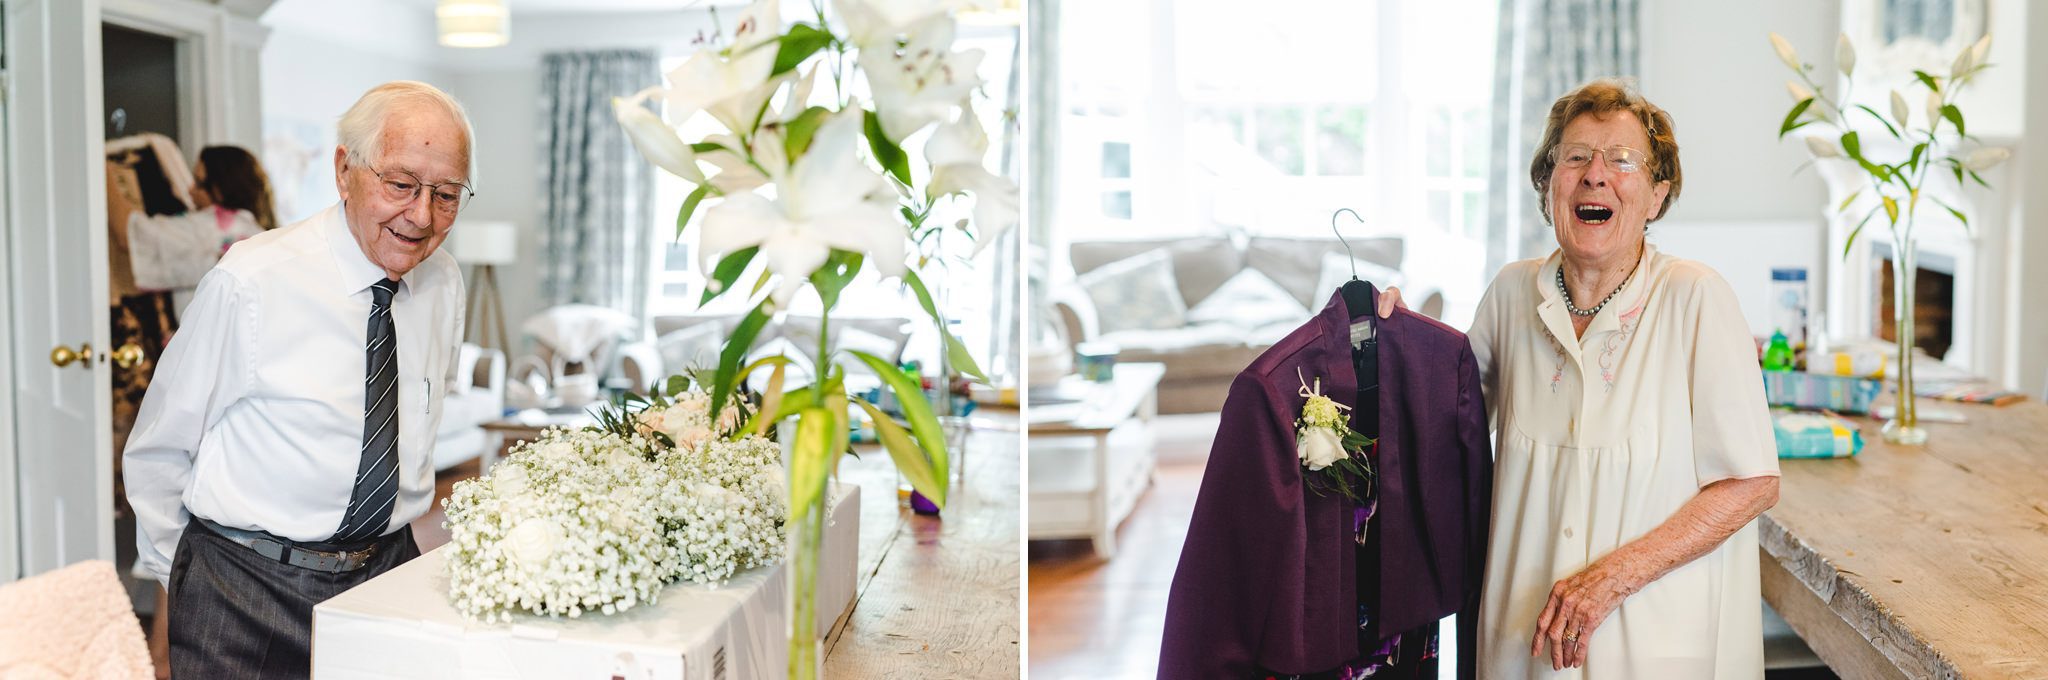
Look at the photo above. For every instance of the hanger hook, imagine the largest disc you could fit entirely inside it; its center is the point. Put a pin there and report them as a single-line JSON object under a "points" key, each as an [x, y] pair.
{"points": [[1340, 237]]}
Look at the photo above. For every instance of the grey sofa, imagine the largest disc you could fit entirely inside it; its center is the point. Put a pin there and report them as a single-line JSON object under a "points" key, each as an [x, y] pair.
{"points": [[1202, 358]]}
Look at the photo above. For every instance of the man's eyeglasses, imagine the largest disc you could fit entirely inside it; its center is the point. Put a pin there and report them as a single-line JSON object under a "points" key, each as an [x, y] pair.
{"points": [[1619, 158], [403, 188]]}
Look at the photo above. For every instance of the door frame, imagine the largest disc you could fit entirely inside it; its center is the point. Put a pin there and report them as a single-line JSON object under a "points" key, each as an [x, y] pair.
{"points": [[10, 536]]}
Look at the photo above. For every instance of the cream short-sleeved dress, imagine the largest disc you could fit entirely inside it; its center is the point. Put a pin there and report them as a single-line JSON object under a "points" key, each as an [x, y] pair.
{"points": [[1598, 440]]}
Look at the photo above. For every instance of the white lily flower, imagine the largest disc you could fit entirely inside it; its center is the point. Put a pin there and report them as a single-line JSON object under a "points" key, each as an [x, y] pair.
{"points": [[875, 24], [1822, 147], [828, 199], [1845, 54], [1785, 52], [731, 84], [919, 84], [1799, 92], [655, 139], [735, 174], [956, 150], [1986, 158], [1899, 110]]}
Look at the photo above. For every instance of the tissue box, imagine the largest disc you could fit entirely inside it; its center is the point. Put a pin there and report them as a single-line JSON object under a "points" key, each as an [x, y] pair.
{"points": [[1815, 435], [1812, 391]]}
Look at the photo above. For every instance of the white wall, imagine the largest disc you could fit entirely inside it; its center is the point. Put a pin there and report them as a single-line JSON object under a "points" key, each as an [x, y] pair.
{"points": [[320, 57], [2027, 353]]}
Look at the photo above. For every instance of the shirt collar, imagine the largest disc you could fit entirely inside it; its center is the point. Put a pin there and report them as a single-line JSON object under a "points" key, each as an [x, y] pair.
{"points": [[358, 273], [1550, 303]]}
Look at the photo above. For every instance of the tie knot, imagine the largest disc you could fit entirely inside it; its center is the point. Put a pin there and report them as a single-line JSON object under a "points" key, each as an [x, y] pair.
{"points": [[383, 290]]}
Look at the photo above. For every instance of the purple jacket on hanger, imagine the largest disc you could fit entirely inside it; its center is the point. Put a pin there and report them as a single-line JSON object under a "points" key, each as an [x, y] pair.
{"points": [[1266, 581]]}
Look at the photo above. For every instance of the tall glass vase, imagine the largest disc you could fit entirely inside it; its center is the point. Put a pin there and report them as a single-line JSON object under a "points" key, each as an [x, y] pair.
{"points": [[1904, 427], [806, 661]]}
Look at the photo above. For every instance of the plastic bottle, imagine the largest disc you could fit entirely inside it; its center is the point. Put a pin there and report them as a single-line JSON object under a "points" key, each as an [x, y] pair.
{"points": [[1778, 356]]}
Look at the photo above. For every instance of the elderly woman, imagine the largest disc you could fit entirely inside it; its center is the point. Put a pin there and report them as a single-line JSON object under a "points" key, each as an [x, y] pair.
{"points": [[1633, 446]]}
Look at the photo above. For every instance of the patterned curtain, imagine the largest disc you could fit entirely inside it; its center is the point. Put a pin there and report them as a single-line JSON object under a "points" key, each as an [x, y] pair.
{"points": [[598, 206], [1546, 48]]}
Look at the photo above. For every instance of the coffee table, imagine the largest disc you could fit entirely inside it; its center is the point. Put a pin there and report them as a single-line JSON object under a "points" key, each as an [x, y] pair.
{"points": [[1091, 455]]}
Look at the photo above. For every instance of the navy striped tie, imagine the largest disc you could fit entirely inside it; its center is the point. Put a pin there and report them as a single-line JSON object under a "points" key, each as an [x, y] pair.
{"points": [[376, 485]]}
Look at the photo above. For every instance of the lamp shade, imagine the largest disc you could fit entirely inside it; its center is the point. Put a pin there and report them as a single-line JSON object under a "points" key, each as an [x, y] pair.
{"points": [[485, 242], [473, 23]]}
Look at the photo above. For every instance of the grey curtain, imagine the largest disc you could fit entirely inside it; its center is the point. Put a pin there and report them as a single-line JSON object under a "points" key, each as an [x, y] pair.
{"points": [[597, 204], [1545, 49]]}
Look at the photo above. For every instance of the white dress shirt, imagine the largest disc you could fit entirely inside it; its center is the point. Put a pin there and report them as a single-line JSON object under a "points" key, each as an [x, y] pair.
{"points": [[254, 418]]}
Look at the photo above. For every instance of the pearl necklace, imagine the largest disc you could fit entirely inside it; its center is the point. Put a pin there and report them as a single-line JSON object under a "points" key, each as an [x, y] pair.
{"points": [[1574, 309]]}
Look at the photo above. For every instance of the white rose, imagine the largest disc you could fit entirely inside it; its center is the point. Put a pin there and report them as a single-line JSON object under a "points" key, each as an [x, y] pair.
{"points": [[509, 481], [533, 542], [1319, 447]]}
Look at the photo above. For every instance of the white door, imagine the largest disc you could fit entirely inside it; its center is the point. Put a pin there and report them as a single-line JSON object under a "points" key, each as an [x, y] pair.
{"points": [[56, 292]]}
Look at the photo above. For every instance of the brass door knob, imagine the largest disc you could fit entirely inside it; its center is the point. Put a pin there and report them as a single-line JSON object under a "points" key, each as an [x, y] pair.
{"points": [[63, 356], [129, 355]]}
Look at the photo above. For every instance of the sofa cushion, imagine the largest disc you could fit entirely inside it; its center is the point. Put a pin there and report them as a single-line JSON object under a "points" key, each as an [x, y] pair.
{"points": [[1136, 293], [1200, 265], [1296, 263], [1203, 351], [1336, 270], [1248, 300]]}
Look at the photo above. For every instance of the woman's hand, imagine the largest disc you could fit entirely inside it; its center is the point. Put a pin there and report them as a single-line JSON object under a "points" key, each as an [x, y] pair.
{"points": [[1578, 604], [1389, 299]]}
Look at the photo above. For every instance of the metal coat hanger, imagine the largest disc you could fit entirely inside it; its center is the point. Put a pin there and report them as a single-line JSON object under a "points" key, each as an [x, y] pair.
{"points": [[1340, 237]]}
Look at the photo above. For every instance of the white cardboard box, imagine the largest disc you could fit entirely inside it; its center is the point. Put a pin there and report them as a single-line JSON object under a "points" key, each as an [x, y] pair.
{"points": [[403, 625]]}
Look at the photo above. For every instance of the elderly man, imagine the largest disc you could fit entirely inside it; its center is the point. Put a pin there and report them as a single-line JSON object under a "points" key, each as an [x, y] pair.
{"points": [[285, 442]]}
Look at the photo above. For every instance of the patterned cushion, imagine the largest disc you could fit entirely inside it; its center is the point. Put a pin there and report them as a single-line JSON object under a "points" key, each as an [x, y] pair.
{"points": [[1136, 293], [1249, 300]]}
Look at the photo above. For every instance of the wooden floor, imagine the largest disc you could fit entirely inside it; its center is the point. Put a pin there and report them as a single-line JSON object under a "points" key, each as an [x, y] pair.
{"points": [[937, 597], [1097, 619]]}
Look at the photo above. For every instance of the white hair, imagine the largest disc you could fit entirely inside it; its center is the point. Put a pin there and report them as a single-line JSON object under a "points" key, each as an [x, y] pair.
{"points": [[361, 129]]}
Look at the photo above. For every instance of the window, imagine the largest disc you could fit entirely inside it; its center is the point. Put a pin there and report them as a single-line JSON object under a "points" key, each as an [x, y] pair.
{"points": [[1205, 116]]}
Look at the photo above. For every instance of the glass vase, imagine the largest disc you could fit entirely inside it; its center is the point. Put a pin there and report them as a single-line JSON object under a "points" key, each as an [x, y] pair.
{"points": [[1904, 427]]}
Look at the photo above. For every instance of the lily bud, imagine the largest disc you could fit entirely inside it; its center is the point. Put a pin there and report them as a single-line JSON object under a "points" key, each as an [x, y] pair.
{"points": [[1822, 147], [1785, 52], [1986, 158], [1899, 110], [1845, 54]]}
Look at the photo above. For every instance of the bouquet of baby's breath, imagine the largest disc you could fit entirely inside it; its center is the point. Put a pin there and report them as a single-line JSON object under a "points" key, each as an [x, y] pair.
{"points": [[600, 519]]}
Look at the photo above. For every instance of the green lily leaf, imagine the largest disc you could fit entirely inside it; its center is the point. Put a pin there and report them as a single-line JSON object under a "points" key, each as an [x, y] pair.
{"points": [[839, 270], [956, 351], [1851, 241], [1790, 118], [690, 207], [735, 350], [728, 271], [1955, 115], [802, 41], [888, 153], [909, 458], [797, 135], [1881, 119], [916, 410]]}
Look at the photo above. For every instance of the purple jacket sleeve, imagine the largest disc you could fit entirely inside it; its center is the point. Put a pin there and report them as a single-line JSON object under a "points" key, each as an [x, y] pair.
{"points": [[1476, 444], [1246, 527]]}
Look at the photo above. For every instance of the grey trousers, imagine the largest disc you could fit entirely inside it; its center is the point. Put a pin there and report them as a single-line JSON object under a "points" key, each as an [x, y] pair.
{"points": [[237, 614]]}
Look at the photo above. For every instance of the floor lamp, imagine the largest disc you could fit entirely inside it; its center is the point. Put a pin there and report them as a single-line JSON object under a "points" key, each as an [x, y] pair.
{"points": [[484, 246]]}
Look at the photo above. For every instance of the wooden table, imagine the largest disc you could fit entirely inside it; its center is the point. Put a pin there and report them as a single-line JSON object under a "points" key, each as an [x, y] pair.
{"points": [[1092, 458], [1920, 561], [937, 597]]}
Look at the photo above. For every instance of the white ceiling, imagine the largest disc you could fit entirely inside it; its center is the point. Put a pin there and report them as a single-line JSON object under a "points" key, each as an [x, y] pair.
{"points": [[586, 6]]}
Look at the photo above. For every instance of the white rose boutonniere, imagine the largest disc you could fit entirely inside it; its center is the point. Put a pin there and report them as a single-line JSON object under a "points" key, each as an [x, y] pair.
{"points": [[1328, 447]]}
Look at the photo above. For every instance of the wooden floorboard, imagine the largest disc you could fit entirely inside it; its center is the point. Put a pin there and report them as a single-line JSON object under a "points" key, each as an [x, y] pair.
{"points": [[938, 596], [1092, 618]]}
